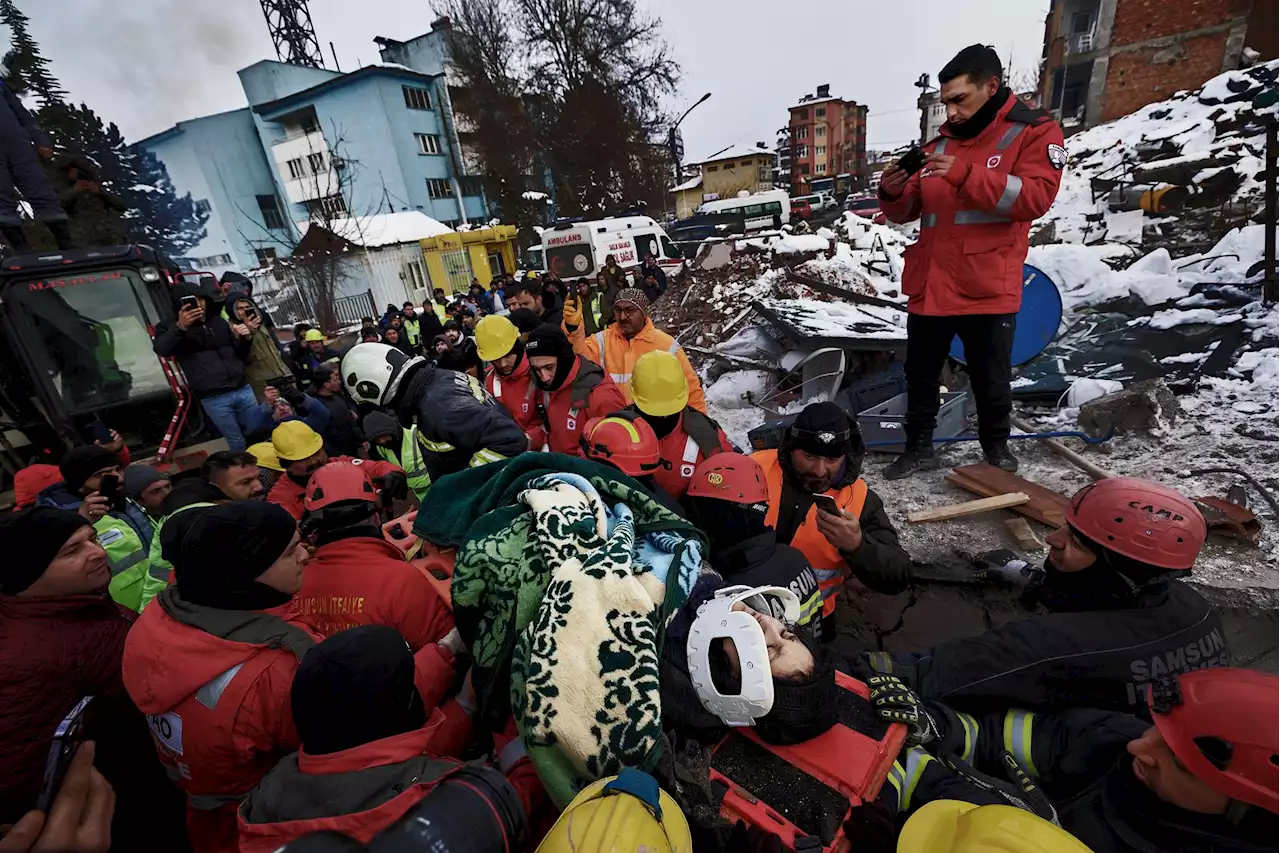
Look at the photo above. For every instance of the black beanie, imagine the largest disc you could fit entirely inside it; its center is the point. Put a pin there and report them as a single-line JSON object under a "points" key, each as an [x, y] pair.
{"points": [[30, 540], [83, 462], [802, 710], [378, 424], [524, 320], [355, 688], [822, 429], [225, 548], [545, 341]]}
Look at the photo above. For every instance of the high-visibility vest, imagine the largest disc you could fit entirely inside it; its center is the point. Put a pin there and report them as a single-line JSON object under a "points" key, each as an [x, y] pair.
{"points": [[410, 459], [132, 584], [828, 566]]}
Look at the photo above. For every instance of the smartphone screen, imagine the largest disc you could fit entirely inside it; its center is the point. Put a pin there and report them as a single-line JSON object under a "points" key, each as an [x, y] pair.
{"points": [[66, 739], [912, 161], [109, 488], [827, 504], [192, 302]]}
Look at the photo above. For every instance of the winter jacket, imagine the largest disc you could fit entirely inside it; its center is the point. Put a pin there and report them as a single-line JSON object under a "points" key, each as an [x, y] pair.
{"points": [[459, 424], [358, 791], [17, 126], [1079, 760], [412, 330], [364, 580], [54, 651], [763, 561], [515, 394], [612, 351], [430, 324], [974, 221], [209, 353], [218, 708], [659, 275], [615, 280], [289, 494], [264, 361], [342, 435], [586, 393], [306, 362], [126, 536], [592, 321], [1099, 659], [695, 438], [409, 457], [259, 422]]}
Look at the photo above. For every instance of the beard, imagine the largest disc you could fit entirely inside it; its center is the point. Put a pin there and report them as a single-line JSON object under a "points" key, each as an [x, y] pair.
{"points": [[816, 485]]}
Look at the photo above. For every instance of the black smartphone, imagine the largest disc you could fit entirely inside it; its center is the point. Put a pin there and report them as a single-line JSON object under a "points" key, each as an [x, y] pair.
{"points": [[827, 504], [911, 161], [109, 488], [192, 302], [66, 740]]}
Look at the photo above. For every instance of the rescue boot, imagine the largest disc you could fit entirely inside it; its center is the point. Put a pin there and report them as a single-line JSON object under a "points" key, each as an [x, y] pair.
{"points": [[61, 229], [16, 238], [918, 456], [999, 455]]}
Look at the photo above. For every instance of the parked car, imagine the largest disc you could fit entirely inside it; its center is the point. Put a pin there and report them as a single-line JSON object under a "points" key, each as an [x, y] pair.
{"points": [[801, 207], [866, 206], [819, 202]]}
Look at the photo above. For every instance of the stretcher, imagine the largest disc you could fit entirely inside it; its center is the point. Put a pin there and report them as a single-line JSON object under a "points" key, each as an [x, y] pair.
{"points": [[435, 564]]}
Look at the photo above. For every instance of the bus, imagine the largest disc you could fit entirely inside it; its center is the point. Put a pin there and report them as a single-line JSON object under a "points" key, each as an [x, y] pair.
{"points": [[768, 209]]}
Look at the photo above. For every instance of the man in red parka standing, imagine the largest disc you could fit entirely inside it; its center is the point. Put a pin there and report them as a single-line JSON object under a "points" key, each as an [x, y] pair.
{"points": [[994, 168]]}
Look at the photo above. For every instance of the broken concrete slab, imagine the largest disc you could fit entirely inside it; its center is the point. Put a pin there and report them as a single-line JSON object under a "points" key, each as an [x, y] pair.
{"points": [[1146, 406], [713, 256]]}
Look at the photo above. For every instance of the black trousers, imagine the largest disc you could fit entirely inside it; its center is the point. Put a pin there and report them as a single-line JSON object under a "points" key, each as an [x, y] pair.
{"points": [[988, 342]]}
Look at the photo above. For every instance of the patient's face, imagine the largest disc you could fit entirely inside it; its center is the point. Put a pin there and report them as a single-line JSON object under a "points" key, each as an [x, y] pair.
{"points": [[789, 659]]}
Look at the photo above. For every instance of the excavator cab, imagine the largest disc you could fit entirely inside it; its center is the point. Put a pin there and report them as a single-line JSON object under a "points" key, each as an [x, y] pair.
{"points": [[76, 352]]}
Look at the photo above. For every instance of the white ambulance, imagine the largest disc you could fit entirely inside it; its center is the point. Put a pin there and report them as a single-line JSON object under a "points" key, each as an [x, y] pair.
{"points": [[578, 249]]}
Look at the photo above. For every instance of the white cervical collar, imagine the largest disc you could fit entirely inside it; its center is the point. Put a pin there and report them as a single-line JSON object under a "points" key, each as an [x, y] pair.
{"points": [[718, 620]]}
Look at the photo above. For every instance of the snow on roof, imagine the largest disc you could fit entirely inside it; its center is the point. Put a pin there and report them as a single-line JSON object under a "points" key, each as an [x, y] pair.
{"points": [[384, 229], [811, 102], [691, 184], [840, 319], [733, 152]]}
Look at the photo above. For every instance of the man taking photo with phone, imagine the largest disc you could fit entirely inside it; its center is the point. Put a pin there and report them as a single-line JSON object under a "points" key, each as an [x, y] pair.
{"points": [[994, 168]]}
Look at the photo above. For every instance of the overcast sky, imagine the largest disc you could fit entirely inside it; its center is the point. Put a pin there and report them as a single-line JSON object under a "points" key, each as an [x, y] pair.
{"points": [[145, 64]]}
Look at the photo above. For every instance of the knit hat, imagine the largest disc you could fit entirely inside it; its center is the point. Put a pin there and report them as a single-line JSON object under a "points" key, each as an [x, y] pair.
{"points": [[636, 297], [822, 429], [31, 481], [803, 710], [83, 462], [525, 320], [223, 551], [379, 424], [138, 477], [548, 341], [355, 688], [30, 540]]}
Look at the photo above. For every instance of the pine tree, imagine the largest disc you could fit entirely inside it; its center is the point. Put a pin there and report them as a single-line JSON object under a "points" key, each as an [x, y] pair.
{"points": [[25, 67], [158, 216]]}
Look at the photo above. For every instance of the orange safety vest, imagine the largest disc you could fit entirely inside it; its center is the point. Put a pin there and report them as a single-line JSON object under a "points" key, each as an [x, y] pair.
{"points": [[828, 566]]}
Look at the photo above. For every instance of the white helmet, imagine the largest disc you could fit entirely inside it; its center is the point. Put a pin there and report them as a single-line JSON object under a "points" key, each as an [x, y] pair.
{"points": [[717, 620], [372, 372]]}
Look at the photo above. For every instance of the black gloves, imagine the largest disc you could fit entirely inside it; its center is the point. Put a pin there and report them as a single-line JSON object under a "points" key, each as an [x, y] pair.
{"points": [[395, 485], [895, 702]]}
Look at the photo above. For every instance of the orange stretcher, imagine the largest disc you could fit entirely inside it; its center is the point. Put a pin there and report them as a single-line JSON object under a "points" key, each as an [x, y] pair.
{"points": [[435, 564]]}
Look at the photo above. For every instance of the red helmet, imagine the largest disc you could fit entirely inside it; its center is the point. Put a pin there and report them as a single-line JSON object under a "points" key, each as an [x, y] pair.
{"points": [[731, 477], [626, 442], [336, 482], [1222, 725], [1141, 520]]}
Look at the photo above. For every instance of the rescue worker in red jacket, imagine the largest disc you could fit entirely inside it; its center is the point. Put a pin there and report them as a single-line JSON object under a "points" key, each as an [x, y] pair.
{"points": [[211, 660], [686, 436], [994, 168], [508, 379], [371, 750], [822, 455], [301, 452], [568, 389], [625, 441], [355, 576]]}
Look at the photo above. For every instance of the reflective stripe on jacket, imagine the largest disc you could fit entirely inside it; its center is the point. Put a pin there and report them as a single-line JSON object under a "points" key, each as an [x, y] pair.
{"points": [[617, 355], [132, 584], [410, 459], [828, 564], [684, 452]]}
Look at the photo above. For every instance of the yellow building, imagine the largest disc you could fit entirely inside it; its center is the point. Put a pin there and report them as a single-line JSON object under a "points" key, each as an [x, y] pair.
{"points": [[724, 175], [453, 259]]}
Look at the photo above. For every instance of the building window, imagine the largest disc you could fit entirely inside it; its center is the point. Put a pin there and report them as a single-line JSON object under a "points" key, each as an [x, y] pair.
{"points": [[270, 210], [203, 206], [802, 152], [266, 257], [329, 205], [316, 162], [820, 150], [820, 130], [713, 168], [766, 174], [820, 169], [802, 132], [427, 143], [804, 168], [212, 261], [439, 188], [470, 186], [820, 112], [416, 99], [296, 169], [745, 163]]}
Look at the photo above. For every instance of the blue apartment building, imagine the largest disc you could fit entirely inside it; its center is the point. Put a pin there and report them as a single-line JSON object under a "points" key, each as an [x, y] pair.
{"points": [[380, 139]]}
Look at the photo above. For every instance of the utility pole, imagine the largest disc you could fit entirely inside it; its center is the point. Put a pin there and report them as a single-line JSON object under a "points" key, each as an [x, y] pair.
{"points": [[1270, 285]]}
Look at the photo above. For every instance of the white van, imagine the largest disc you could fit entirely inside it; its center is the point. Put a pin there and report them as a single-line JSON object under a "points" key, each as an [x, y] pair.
{"points": [[578, 249], [819, 202], [768, 209]]}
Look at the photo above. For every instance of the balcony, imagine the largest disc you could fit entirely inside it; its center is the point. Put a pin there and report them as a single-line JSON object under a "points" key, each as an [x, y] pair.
{"points": [[306, 167], [1078, 43]]}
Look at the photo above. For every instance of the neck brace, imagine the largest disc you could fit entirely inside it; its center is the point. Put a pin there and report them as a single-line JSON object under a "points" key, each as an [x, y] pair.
{"points": [[717, 620]]}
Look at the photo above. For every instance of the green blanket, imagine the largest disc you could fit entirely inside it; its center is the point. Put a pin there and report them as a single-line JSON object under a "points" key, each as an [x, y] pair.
{"points": [[562, 596]]}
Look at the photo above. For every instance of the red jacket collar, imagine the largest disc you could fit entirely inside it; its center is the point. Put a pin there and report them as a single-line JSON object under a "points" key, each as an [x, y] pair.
{"points": [[391, 750], [945, 130], [359, 546]]}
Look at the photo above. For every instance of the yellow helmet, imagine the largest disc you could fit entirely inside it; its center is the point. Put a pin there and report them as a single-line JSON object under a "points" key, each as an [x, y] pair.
{"points": [[950, 826], [313, 335], [265, 453], [658, 385], [294, 440], [626, 813], [495, 336]]}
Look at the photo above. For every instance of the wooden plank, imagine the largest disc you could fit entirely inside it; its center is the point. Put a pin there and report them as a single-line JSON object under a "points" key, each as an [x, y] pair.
{"points": [[944, 513], [1093, 470], [1047, 507], [1023, 534]]}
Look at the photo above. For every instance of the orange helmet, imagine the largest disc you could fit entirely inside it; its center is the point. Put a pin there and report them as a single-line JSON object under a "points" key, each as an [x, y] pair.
{"points": [[731, 477], [1221, 724], [1141, 520], [336, 482], [624, 441]]}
